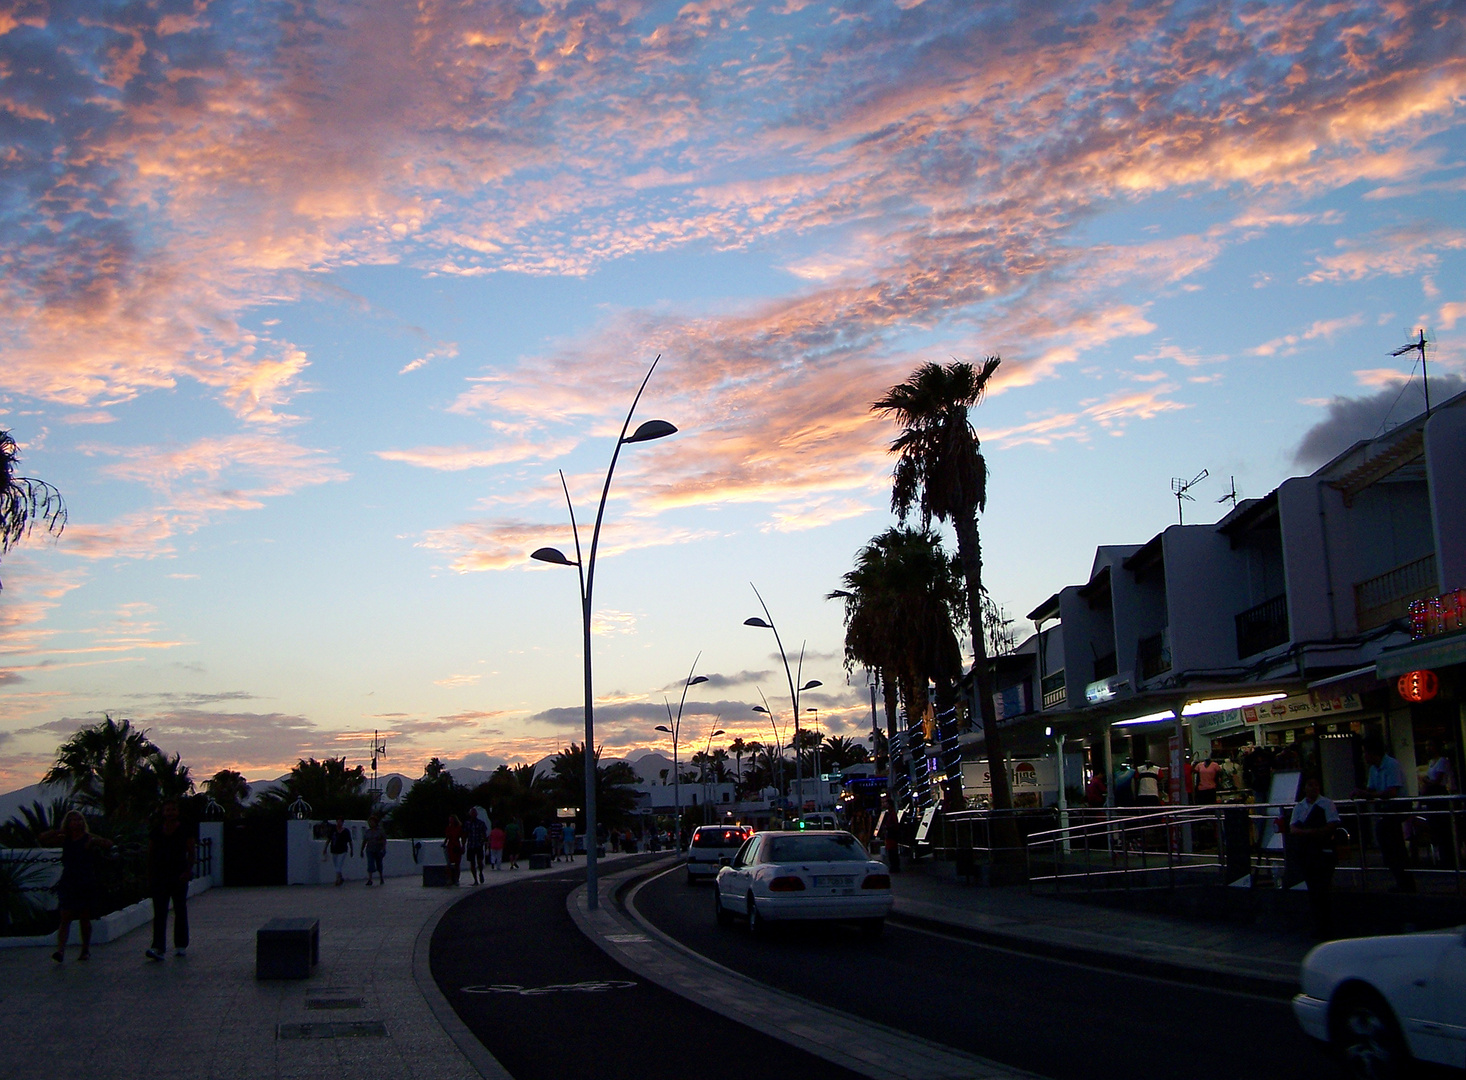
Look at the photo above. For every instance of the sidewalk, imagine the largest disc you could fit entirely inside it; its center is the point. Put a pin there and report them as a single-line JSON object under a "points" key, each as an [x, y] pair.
{"points": [[1224, 955], [206, 1017]]}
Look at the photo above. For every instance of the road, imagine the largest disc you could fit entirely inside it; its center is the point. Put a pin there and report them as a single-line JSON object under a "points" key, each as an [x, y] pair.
{"points": [[1060, 1020], [549, 1004]]}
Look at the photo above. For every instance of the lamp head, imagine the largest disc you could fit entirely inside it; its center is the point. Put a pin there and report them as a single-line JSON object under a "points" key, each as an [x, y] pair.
{"points": [[715, 734], [694, 682], [810, 685], [760, 708], [552, 555], [756, 621], [652, 429], [663, 727]]}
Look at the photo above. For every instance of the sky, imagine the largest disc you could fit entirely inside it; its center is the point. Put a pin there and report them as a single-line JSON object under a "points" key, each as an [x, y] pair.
{"points": [[304, 306]]}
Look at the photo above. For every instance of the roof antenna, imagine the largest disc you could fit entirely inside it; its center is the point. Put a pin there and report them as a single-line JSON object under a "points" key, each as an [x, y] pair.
{"points": [[1424, 379], [1180, 487], [1230, 496]]}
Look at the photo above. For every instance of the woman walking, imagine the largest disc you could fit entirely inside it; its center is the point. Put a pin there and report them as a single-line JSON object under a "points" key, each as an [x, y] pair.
{"points": [[374, 847], [496, 847], [76, 891], [339, 844], [453, 847]]}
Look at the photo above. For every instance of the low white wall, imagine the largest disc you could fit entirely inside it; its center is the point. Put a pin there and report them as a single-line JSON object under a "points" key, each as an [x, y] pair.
{"points": [[108, 927], [308, 864]]}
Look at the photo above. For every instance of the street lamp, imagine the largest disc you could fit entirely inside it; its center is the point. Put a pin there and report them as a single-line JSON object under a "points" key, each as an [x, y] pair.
{"points": [[646, 432], [818, 775], [794, 692], [705, 752], [675, 731], [776, 771]]}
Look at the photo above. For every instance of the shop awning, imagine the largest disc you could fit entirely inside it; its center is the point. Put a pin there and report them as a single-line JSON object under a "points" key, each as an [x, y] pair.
{"points": [[1431, 653]]}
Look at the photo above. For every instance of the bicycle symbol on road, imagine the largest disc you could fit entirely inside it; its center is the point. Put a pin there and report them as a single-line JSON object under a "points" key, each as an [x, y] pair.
{"points": [[590, 986]]}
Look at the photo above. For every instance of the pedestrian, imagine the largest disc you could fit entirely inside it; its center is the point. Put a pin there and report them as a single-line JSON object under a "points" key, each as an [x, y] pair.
{"points": [[497, 840], [339, 844], [541, 837], [1385, 782], [374, 847], [1440, 773], [76, 892], [171, 849], [511, 843], [1311, 827], [567, 840], [475, 835], [453, 847]]}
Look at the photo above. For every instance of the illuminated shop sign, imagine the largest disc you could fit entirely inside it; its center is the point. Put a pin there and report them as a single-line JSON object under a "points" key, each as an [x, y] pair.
{"points": [[1443, 614], [1301, 707]]}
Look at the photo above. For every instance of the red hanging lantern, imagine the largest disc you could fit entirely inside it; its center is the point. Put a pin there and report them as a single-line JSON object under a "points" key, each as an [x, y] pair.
{"points": [[1418, 686]]}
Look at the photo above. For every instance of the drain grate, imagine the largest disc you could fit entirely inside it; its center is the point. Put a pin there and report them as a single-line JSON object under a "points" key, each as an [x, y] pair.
{"points": [[354, 1029], [334, 1003]]}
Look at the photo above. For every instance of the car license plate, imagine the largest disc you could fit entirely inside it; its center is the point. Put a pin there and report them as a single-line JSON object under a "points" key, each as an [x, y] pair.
{"points": [[832, 881]]}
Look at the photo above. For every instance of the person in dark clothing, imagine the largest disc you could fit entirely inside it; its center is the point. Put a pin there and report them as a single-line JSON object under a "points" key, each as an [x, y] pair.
{"points": [[1311, 830], [339, 844], [76, 891], [171, 849], [1385, 784]]}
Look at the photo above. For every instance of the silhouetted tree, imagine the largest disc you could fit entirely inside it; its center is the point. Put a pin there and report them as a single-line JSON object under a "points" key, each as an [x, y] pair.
{"points": [[229, 789], [24, 500]]}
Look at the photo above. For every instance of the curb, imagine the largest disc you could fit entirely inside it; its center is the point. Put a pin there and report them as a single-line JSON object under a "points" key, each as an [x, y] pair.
{"points": [[1122, 963]]}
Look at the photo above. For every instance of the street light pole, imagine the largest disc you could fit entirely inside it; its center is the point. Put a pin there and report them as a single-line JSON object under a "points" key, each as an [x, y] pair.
{"points": [[778, 743], [586, 567], [767, 623], [675, 731], [705, 752]]}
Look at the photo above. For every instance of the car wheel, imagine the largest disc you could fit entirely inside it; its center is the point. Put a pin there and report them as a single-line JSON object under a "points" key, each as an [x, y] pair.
{"points": [[758, 926], [722, 914], [873, 927], [1367, 1038]]}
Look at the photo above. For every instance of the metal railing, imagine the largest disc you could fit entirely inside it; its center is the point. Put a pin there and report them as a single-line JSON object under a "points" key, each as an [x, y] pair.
{"points": [[1262, 627], [1388, 596], [1228, 842], [1052, 689]]}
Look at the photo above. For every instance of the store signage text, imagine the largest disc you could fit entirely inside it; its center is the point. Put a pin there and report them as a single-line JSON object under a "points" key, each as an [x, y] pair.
{"points": [[1300, 707]]}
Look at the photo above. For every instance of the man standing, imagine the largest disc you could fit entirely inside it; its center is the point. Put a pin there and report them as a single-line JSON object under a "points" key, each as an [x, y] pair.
{"points": [[1384, 785], [1311, 828], [171, 849], [475, 835], [567, 837]]}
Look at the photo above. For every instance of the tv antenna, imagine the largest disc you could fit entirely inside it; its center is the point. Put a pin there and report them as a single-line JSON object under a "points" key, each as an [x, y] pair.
{"points": [[379, 750], [1180, 487], [1230, 496], [1413, 346]]}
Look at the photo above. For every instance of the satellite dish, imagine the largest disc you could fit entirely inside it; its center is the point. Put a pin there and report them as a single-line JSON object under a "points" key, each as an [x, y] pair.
{"points": [[394, 787]]}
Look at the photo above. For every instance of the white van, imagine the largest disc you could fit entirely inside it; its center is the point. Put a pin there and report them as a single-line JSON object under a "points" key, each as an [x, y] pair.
{"points": [[819, 821]]}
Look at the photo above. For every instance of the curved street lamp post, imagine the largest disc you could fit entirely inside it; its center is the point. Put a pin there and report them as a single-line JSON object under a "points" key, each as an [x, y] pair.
{"points": [[646, 432], [675, 731], [767, 623], [706, 751]]}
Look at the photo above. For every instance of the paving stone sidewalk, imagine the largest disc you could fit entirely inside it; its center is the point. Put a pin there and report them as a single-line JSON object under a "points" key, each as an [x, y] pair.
{"points": [[205, 1016], [1228, 955]]}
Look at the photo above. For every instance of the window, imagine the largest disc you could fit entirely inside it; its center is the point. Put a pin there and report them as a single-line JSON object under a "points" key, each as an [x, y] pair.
{"points": [[839, 848]]}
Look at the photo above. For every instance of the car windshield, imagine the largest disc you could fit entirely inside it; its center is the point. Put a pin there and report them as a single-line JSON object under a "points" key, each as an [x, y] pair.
{"points": [[718, 838], [816, 847]]}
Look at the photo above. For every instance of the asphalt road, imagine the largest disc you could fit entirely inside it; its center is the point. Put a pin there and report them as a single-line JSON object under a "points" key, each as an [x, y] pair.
{"points": [[550, 1005], [1061, 1020]]}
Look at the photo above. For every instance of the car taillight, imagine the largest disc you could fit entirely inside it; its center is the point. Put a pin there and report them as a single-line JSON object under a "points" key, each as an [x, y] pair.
{"points": [[786, 884], [876, 881]]}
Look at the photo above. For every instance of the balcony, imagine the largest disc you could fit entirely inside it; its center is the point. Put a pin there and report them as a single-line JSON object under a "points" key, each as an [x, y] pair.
{"points": [[1053, 689], [1262, 627], [1387, 597], [1155, 656]]}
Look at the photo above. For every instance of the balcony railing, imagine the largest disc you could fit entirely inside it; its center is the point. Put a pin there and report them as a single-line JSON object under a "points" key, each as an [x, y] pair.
{"points": [[1262, 627], [1389, 596], [1155, 656], [1053, 689]]}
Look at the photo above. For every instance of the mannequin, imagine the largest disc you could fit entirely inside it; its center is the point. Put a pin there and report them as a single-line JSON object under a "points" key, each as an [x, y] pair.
{"points": [[1148, 785]]}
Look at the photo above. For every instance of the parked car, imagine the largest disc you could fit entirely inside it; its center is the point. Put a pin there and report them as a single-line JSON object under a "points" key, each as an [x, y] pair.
{"points": [[823, 874], [712, 846], [1383, 1002]]}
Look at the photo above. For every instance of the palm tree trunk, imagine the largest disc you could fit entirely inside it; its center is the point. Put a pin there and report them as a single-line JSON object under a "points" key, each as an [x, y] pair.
{"points": [[1004, 828]]}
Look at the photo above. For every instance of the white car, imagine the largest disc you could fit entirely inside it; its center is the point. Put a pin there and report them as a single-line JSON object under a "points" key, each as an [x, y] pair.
{"points": [[712, 847], [813, 874], [1382, 1001]]}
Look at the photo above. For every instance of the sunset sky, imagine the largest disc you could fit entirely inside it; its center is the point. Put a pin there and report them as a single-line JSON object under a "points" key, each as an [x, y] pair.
{"points": [[303, 305]]}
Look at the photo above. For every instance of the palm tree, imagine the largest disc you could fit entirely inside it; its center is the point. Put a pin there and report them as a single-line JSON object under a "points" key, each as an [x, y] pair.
{"points": [[24, 830], [839, 752], [940, 471], [229, 789], [110, 767], [25, 500], [902, 601], [738, 748]]}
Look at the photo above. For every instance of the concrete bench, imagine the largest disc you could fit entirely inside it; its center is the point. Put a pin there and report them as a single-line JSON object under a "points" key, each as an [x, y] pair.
{"points": [[287, 948]]}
